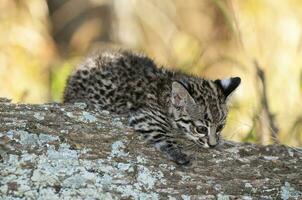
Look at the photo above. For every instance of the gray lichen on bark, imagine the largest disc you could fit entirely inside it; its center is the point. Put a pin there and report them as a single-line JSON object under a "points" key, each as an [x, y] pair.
{"points": [[54, 151]]}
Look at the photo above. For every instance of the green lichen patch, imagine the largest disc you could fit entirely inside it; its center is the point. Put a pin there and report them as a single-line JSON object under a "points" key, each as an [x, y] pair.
{"points": [[39, 116], [118, 149], [223, 197], [288, 192], [148, 178], [88, 117]]}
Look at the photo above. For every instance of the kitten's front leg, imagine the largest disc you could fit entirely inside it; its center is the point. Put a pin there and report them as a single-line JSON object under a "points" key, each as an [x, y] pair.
{"points": [[155, 129], [173, 152]]}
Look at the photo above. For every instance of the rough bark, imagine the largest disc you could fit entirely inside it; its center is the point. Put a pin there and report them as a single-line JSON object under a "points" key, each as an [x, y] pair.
{"points": [[54, 151]]}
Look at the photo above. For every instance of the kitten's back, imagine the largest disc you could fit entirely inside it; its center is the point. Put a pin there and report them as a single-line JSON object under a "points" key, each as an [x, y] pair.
{"points": [[117, 81]]}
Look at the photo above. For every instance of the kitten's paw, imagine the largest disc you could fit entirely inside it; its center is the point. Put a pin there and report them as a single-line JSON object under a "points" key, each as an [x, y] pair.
{"points": [[180, 158], [185, 160]]}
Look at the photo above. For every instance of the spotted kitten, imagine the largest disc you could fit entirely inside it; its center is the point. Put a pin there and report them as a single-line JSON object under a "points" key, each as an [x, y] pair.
{"points": [[162, 105]]}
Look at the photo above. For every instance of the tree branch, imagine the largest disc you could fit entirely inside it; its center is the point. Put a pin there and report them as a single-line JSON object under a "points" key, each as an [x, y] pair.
{"points": [[66, 151]]}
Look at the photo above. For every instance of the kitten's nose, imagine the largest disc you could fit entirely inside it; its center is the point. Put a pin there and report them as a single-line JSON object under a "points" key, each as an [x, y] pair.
{"points": [[212, 140], [211, 145]]}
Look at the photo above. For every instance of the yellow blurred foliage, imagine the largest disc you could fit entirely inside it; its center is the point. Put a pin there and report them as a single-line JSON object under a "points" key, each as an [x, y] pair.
{"points": [[26, 51]]}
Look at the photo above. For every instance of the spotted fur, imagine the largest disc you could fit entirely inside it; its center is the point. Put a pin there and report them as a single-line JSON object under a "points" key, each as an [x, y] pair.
{"points": [[162, 105]]}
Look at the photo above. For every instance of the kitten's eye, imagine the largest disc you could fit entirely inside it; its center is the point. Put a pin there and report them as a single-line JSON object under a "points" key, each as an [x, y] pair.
{"points": [[219, 128], [206, 116], [202, 130]]}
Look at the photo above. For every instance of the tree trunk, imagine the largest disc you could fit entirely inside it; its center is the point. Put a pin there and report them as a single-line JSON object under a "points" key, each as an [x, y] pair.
{"points": [[54, 151]]}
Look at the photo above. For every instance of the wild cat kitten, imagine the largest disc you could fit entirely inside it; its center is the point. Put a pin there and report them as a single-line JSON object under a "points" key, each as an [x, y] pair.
{"points": [[162, 105]]}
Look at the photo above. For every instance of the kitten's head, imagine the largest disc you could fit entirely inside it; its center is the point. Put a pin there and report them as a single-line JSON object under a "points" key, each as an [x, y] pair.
{"points": [[199, 108]]}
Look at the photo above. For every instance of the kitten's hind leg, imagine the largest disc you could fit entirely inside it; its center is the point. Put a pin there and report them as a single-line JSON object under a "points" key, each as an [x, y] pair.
{"points": [[156, 130]]}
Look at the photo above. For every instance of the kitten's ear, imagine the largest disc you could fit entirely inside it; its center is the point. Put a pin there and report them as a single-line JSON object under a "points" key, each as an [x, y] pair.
{"points": [[228, 85], [180, 96]]}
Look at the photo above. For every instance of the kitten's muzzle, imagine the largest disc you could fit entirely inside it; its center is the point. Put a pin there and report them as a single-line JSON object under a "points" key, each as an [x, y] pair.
{"points": [[206, 143], [213, 138], [212, 142]]}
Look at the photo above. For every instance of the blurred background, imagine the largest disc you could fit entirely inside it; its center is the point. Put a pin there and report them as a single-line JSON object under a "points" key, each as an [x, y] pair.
{"points": [[41, 41]]}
